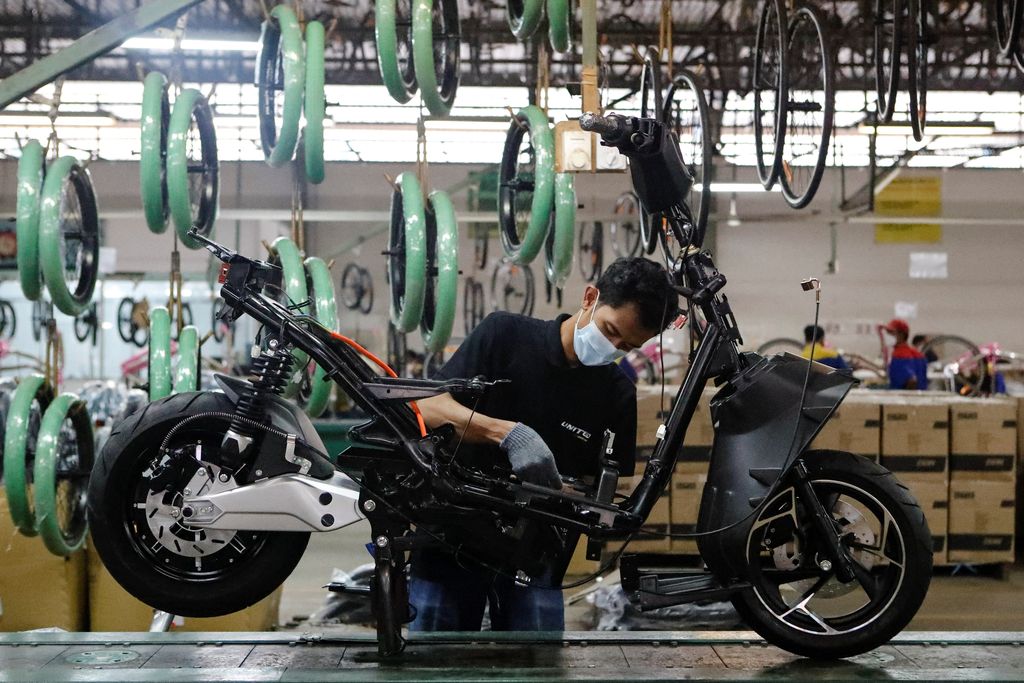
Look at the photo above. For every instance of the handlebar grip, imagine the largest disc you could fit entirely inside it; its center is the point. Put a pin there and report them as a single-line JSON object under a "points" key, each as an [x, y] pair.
{"points": [[610, 126]]}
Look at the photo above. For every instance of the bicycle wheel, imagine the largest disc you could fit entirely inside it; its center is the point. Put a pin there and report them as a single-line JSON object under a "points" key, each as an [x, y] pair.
{"points": [[407, 253], [811, 107], [31, 399], [319, 283], [352, 292], [186, 372], [473, 310], [526, 189], [560, 25], [771, 87], [958, 360], [524, 17], [435, 49], [512, 288], [314, 103], [686, 112], [156, 116], [366, 305], [650, 86], [64, 458], [442, 290], [85, 325], [193, 176], [10, 318], [625, 232], [591, 251], [558, 245], [29, 198], [921, 23], [780, 345], [69, 240], [393, 28], [889, 25], [159, 373], [280, 78], [1008, 18], [285, 253]]}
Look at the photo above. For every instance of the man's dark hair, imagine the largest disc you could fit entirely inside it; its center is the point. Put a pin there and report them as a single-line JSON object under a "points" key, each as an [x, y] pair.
{"points": [[813, 334], [643, 283], [919, 339]]}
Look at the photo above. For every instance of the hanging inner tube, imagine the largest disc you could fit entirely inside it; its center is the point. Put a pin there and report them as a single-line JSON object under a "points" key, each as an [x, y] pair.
{"points": [[193, 175], [285, 253], [156, 118], [186, 372], [393, 28], [442, 290], [524, 17], [558, 245], [21, 432], [436, 43], [280, 79], [407, 253], [29, 198], [526, 185], [159, 373], [316, 389], [69, 240], [315, 104]]}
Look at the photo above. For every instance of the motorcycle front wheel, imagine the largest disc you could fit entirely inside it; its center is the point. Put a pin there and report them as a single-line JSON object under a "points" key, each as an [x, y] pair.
{"points": [[796, 601], [135, 497]]}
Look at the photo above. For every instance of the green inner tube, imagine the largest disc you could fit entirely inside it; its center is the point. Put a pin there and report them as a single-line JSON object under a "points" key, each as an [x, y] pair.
{"points": [[437, 328], [30, 188], [560, 25], [159, 353], [435, 51], [558, 247], [282, 74], [186, 374], [316, 102], [407, 247], [524, 17], [319, 281], [193, 176], [529, 189], [62, 470], [69, 227], [30, 401], [156, 116], [285, 252], [401, 84]]}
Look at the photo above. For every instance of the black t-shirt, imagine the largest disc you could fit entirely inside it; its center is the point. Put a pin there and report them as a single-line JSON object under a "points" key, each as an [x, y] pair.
{"points": [[570, 407]]}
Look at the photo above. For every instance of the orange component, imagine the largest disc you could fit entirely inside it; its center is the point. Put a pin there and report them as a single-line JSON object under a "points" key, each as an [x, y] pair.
{"points": [[384, 366]]}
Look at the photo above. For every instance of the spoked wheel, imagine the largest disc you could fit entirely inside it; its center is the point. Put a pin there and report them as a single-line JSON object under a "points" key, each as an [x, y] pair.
{"points": [[796, 600], [651, 104], [435, 44], [811, 107], [156, 117], [921, 32], [625, 231], [771, 88], [396, 350], [69, 239], [193, 174], [889, 34], [86, 325], [591, 251], [472, 305], [686, 113], [512, 288], [1008, 20], [441, 293], [393, 27], [561, 231], [526, 184], [280, 79], [64, 458], [42, 312], [407, 253], [960, 362], [134, 513]]}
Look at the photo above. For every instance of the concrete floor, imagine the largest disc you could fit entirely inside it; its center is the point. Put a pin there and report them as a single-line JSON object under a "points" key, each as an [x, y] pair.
{"points": [[960, 602]]}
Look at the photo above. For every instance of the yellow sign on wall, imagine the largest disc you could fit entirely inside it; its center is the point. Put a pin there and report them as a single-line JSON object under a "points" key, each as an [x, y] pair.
{"points": [[905, 197]]}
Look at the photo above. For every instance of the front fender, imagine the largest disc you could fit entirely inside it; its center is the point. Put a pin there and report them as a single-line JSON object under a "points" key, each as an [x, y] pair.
{"points": [[758, 438]]}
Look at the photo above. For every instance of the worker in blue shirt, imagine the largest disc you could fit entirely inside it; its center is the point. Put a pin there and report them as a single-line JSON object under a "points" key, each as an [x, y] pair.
{"points": [[908, 368]]}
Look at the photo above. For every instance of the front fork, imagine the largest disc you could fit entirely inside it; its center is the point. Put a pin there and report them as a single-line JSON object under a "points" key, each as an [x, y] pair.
{"points": [[835, 551]]}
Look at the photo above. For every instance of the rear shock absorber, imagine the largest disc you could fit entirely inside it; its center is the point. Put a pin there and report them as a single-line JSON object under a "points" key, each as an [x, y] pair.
{"points": [[271, 371]]}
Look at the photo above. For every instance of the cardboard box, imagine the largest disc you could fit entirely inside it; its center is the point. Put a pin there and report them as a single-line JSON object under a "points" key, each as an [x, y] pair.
{"points": [[650, 415], [913, 427], [687, 488], [112, 608], [855, 427], [658, 522], [932, 494], [981, 521], [37, 588], [983, 439]]}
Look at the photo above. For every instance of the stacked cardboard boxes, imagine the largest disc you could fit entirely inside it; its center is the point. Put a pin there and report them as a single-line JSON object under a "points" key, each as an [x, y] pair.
{"points": [[915, 447], [983, 480], [855, 427]]}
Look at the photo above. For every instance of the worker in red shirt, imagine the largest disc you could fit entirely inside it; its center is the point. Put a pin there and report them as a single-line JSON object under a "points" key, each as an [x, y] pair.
{"points": [[908, 368]]}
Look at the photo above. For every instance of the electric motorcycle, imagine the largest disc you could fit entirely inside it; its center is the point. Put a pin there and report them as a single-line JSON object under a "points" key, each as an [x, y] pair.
{"points": [[202, 503]]}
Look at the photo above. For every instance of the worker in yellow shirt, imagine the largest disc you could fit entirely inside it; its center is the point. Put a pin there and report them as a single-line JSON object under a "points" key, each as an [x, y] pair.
{"points": [[814, 339]]}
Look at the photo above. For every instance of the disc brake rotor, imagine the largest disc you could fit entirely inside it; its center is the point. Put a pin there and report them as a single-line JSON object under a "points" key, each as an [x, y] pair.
{"points": [[166, 521]]}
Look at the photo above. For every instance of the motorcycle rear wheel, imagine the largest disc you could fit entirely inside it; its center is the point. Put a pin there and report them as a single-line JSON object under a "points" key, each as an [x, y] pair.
{"points": [[796, 604], [185, 571]]}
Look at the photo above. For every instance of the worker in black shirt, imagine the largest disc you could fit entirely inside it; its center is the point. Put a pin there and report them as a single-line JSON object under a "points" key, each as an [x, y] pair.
{"points": [[549, 420]]}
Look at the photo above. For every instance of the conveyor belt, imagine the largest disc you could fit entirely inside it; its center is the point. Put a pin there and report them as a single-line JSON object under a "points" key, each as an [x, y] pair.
{"points": [[589, 656]]}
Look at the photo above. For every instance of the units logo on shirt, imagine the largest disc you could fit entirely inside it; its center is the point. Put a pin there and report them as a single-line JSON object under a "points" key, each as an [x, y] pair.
{"points": [[581, 434]]}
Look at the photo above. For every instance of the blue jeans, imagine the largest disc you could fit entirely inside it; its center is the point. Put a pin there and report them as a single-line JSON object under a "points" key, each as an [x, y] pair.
{"points": [[447, 596]]}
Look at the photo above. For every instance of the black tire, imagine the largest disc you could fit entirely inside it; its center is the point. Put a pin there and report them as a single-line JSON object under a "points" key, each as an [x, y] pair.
{"points": [[254, 572], [1009, 15], [889, 29], [920, 29], [780, 344], [352, 286], [691, 123], [591, 250], [366, 303], [771, 90], [10, 324], [899, 569]]}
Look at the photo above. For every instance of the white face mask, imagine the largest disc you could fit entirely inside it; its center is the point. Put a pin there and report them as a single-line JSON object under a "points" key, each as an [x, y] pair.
{"points": [[591, 346]]}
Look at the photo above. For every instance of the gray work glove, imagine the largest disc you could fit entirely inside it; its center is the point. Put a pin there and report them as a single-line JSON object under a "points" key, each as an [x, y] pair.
{"points": [[531, 458]]}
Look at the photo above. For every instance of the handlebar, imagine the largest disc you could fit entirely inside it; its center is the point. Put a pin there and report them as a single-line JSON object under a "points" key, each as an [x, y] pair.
{"points": [[610, 127]]}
